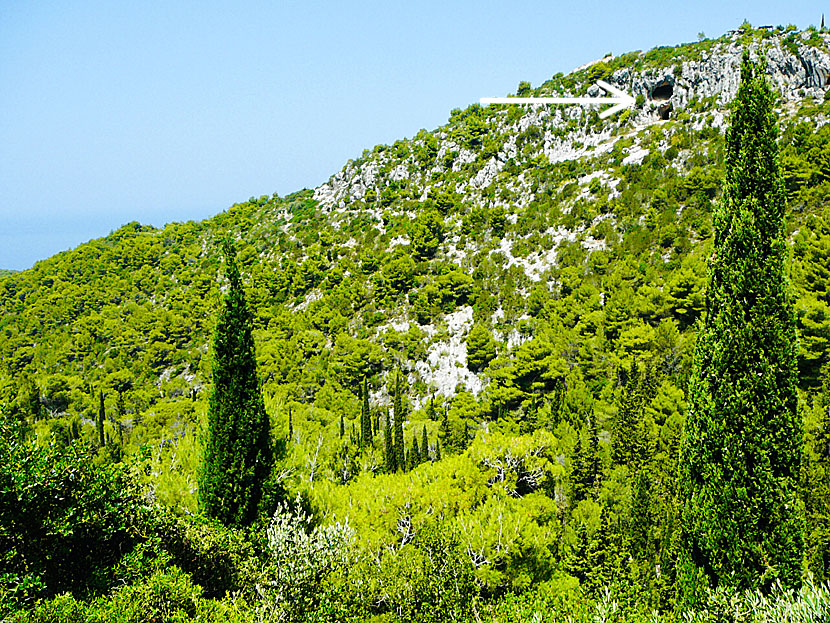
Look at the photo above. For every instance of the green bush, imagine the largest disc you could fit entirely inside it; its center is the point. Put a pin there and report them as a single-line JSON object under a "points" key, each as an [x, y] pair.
{"points": [[64, 522]]}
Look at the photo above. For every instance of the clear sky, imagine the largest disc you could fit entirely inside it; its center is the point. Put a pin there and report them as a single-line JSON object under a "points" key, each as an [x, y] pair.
{"points": [[116, 111]]}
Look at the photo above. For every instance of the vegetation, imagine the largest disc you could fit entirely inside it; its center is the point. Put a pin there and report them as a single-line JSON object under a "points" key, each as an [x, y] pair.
{"points": [[238, 453], [467, 366], [742, 519]]}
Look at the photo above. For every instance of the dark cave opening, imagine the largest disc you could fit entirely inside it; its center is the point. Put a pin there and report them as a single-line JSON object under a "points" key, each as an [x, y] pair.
{"points": [[662, 92]]}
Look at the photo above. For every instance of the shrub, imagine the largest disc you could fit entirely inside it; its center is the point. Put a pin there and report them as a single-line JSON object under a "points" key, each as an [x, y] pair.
{"points": [[301, 559]]}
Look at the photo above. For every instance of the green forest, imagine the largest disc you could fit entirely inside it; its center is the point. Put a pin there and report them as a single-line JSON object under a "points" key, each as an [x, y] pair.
{"points": [[529, 366]]}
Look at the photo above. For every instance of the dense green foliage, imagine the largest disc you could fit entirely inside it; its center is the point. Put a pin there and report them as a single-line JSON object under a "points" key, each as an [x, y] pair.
{"points": [[238, 454], [742, 520], [531, 281]]}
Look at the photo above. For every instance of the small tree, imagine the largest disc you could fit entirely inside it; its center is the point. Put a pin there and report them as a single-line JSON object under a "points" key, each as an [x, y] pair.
{"points": [[237, 455], [481, 348]]}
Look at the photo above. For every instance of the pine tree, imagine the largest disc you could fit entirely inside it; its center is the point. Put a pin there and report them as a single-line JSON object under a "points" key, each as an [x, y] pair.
{"points": [[742, 520], [238, 455]]}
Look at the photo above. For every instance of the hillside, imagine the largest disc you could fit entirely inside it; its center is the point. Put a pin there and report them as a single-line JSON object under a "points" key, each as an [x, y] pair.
{"points": [[525, 267]]}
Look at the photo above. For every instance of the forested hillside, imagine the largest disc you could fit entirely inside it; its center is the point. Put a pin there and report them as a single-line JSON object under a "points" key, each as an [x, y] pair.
{"points": [[535, 275]]}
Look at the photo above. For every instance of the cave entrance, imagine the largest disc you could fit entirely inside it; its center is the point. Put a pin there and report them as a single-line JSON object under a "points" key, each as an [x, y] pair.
{"points": [[662, 92], [664, 111]]}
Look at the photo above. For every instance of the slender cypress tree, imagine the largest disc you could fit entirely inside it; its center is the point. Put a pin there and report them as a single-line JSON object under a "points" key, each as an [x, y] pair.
{"points": [[237, 456], [587, 463], [291, 425], [365, 418], [342, 426], [389, 447], [741, 516], [424, 445], [628, 436], [99, 420], [397, 414], [414, 453], [444, 431]]}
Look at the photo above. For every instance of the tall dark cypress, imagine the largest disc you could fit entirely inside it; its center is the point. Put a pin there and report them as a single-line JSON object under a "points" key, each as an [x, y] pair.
{"points": [[99, 420], [237, 455], [397, 415], [365, 418], [742, 519], [444, 431], [389, 446], [414, 453], [628, 436], [424, 445]]}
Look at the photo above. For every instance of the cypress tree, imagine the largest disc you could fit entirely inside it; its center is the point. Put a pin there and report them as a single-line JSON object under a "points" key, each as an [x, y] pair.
{"points": [[397, 414], [444, 431], [585, 476], [432, 412], [342, 426], [593, 459], [741, 517], [99, 420], [389, 447], [237, 456], [639, 529], [424, 445], [291, 425], [629, 438], [365, 418], [414, 453]]}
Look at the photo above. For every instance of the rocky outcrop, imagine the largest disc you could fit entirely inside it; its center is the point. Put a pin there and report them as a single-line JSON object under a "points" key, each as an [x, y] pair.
{"points": [[717, 74], [709, 73]]}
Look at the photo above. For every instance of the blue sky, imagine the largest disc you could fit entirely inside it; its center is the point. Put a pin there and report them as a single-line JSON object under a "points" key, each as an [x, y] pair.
{"points": [[115, 111]]}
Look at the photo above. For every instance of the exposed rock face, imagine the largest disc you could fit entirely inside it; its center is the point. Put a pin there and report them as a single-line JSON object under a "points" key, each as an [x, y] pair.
{"points": [[797, 69], [717, 74]]}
